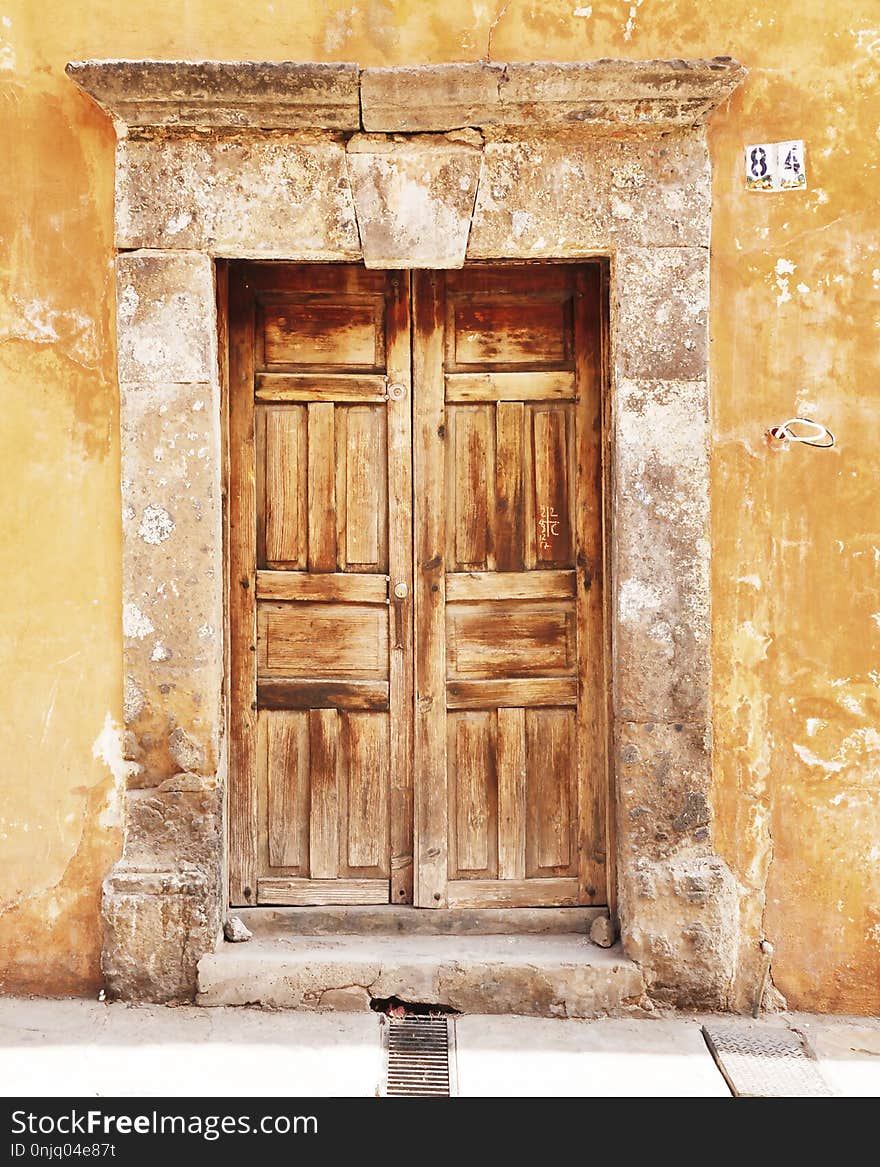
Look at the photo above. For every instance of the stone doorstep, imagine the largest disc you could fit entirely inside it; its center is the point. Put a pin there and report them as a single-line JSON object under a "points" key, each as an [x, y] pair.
{"points": [[392, 920], [530, 975]]}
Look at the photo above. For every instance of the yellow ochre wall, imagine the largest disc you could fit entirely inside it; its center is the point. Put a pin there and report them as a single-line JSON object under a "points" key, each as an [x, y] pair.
{"points": [[796, 534]]}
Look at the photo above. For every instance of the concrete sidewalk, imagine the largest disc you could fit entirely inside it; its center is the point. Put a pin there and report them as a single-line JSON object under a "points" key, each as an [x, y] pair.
{"points": [[79, 1047]]}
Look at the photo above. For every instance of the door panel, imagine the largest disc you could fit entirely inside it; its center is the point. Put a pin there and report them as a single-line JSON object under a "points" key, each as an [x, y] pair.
{"points": [[489, 474], [321, 661], [510, 664]]}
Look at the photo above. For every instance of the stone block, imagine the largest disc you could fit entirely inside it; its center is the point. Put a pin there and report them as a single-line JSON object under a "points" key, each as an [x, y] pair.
{"points": [[665, 776], [616, 93], [541, 197], [661, 304], [166, 317], [413, 199], [157, 926], [252, 94], [172, 588], [560, 94], [431, 97], [266, 196], [174, 827], [660, 527], [686, 946]]}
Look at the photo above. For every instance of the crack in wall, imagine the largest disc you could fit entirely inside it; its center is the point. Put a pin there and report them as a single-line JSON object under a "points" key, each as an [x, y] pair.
{"points": [[493, 26]]}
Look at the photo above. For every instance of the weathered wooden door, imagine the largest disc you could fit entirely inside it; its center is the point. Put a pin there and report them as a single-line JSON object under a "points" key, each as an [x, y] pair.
{"points": [[510, 756], [501, 740], [320, 586]]}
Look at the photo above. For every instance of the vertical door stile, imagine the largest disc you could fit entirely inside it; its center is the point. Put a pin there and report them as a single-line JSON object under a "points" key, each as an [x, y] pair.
{"points": [[431, 812], [592, 682], [242, 535], [400, 572]]}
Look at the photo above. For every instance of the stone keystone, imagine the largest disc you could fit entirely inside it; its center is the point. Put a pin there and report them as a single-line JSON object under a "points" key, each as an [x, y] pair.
{"points": [[413, 199]]}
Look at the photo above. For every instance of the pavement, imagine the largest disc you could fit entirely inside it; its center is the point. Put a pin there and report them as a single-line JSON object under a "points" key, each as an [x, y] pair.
{"points": [[89, 1048]]}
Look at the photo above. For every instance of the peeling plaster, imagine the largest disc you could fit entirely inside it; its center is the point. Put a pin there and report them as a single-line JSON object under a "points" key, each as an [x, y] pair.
{"points": [[107, 748]]}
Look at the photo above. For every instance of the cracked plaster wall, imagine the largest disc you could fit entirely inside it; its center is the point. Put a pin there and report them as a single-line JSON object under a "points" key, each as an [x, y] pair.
{"points": [[796, 298]]}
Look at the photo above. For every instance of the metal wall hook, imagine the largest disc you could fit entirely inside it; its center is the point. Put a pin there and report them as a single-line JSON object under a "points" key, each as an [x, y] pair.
{"points": [[817, 435]]}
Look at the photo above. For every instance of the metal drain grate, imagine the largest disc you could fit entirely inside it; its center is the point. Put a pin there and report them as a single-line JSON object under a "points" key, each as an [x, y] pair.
{"points": [[420, 1053], [765, 1063]]}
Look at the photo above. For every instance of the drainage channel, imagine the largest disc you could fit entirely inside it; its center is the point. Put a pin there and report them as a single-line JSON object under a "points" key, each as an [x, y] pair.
{"points": [[419, 1056], [766, 1063]]}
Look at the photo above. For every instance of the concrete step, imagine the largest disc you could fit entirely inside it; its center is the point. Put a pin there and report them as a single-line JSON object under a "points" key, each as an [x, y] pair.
{"points": [[396, 921], [554, 975]]}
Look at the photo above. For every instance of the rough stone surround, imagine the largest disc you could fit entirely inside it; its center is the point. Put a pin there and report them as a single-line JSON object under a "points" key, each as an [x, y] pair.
{"points": [[526, 162]]}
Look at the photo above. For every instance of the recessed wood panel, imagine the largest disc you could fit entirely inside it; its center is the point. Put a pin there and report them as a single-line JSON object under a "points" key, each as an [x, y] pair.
{"points": [[470, 485], [511, 768], [508, 331], [323, 331], [302, 893], [473, 794], [287, 783], [551, 768], [510, 639], [552, 458], [363, 821], [361, 461], [323, 640], [509, 541], [284, 486], [322, 486], [513, 893]]}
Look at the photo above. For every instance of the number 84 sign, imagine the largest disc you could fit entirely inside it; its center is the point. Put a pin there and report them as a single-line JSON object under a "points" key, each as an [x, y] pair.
{"points": [[776, 166]]}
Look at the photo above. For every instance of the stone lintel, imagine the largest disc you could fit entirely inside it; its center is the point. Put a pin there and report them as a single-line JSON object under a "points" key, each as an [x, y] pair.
{"points": [[245, 94], [291, 95], [591, 93]]}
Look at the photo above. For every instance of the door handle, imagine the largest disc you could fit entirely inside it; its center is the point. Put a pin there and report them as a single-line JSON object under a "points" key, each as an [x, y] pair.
{"points": [[399, 595]]}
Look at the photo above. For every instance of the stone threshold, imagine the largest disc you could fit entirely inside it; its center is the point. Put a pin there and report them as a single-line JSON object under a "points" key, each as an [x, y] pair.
{"points": [[395, 920], [532, 974]]}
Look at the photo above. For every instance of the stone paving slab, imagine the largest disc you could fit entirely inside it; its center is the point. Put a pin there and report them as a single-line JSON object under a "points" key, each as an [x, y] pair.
{"points": [[57, 1048], [88, 1048], [848, 1049], [614, 1057]]}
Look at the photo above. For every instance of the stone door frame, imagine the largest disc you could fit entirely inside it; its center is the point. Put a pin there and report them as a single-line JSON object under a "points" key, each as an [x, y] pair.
{"points": [[414, 168]]}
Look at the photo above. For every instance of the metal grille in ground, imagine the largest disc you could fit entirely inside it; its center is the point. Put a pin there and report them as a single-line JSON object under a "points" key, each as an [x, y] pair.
{"points": [[765, 1063], [420, 1053]]}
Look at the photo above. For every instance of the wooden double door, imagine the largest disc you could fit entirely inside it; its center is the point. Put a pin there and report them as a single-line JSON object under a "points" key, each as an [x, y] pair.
{"points": [[417, 675]]}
